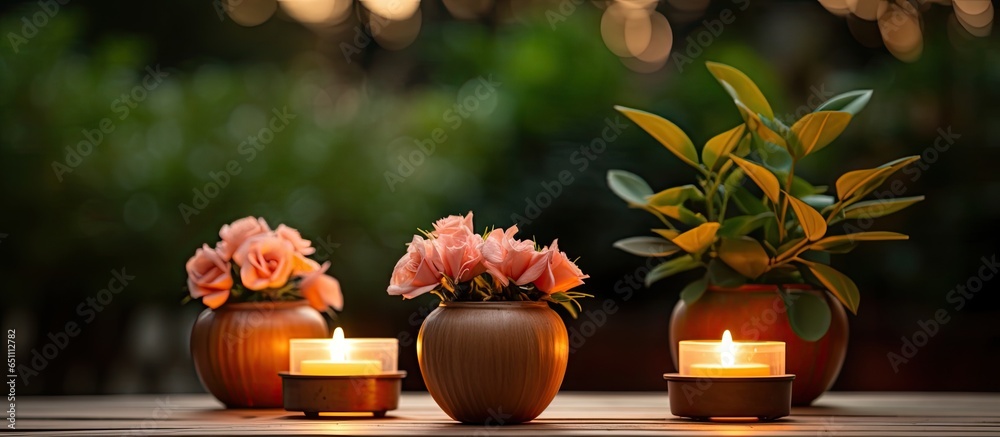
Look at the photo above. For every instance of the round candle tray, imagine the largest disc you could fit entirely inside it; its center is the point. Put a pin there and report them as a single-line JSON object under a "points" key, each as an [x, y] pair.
{"points": [[312, 394], [704, 398]]}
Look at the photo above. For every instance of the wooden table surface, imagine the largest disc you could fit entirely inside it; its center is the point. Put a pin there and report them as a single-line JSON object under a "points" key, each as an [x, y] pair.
{"points": [[572, 413]]}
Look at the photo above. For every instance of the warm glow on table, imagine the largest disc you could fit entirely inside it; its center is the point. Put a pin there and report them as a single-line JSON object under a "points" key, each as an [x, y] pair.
{"points": [[728, 358], [338, 364]]}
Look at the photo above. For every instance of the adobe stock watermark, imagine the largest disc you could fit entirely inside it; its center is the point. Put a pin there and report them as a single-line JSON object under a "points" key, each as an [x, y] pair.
{"points": [[47, 10], [897, 188], [249, 149], [958, 297], [591, 321], [562, 11], [86, 312], [470, 99], [697, 42], [324, 248], [161, 412], [122, 107], [581, 160]]}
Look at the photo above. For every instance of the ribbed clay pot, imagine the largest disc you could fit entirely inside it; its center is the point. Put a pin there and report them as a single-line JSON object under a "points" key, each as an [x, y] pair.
{"points": [[757, 312], [239, 348], [494, 363]]}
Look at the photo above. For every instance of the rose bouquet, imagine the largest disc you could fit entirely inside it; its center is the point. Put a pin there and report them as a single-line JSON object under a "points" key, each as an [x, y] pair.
{"points": [[457, 264], [253, 263]]}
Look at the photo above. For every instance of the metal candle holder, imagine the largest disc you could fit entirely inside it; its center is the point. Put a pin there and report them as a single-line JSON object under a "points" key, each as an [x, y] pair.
{"points": [[313, 394], [702, 398]]}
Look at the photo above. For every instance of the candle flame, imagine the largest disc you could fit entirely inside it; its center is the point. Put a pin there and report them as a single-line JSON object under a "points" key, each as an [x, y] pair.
{"points": [[338, 347], [727, 350]]}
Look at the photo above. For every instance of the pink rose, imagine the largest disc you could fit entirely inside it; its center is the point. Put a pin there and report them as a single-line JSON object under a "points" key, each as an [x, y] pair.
{"points": [[461, 255], [233, 235], [417, 272], [322, 291], [454, 224], [508, 258], [560, 274], [265, 261], [301, 245], [209, 277]]}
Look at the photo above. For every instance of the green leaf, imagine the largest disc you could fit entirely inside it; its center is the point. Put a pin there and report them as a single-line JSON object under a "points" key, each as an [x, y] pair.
{"points": [[834, 242], [816, 256], [629, 186], [670, 268], [721, 146], [773, 156], [747, 202], [698, 239], [733, 180], [761, 176], [788, 245], [693, 291], [801, 187], [842, 287], [676, 196], [813, 224], [816, 130], [647, 246], [665, 132], [818, 201], [854, 185], [566, 301], [852, 102], [808, 314], [745, 255], [740, 88], [879, 208], [722, 275], [760, 126], [741, 225], [680, 213]]}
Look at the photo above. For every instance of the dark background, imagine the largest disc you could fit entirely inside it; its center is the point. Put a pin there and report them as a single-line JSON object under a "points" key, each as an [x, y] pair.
{"points": [[325, 174]]}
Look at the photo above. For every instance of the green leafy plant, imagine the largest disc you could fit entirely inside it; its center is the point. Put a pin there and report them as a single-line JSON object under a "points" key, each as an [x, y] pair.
{"points": [[779, 236]]}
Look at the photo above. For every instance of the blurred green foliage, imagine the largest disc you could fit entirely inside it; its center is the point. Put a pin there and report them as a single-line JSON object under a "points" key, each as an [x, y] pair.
{"points": [[325, 174]]}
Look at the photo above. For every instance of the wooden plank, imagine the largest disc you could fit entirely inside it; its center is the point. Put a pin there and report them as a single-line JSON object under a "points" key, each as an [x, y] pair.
{"points": [[848, 414]]}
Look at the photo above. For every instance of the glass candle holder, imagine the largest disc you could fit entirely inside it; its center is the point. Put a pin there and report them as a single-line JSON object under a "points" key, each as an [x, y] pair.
{"points": [[728, 358], [343, 356]]}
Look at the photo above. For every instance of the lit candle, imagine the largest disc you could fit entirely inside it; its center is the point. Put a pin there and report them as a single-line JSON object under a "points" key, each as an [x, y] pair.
{"points": [[338, 364], [728, 358]]}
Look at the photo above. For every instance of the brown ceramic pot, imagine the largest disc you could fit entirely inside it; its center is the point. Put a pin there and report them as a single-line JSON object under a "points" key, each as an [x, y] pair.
{"points": [[239, 348], [493, 363], [757, 312]]}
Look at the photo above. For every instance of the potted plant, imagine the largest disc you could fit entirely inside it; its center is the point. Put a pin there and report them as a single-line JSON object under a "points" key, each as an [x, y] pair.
{"points": [[261, 290], [763, 246], [493, 351]]}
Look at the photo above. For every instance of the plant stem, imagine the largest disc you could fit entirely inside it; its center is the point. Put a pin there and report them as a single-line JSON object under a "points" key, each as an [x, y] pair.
{"points": [[784, 204], [792, 252], [710, 193]]}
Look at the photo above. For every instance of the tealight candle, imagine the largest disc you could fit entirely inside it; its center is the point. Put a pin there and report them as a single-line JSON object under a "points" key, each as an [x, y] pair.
{"points": [[341, 375], [338, 364], [728, 351], [727, 379]]}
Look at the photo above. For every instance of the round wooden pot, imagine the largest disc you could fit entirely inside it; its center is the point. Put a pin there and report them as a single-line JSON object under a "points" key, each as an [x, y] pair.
{"points": [[757, 312], [493, 363], [239, 348]]}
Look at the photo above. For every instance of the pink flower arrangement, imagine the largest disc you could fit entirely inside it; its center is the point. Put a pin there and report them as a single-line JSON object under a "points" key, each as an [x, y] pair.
{"points": [[254, 263], [457, 264]]}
